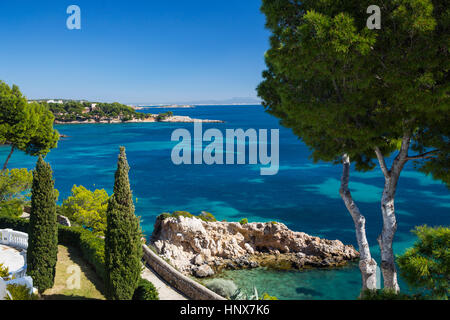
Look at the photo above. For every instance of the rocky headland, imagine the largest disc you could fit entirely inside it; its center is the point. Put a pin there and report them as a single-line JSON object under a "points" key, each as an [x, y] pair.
{"points": [[187, 119], [203, 248], [175, 106]]}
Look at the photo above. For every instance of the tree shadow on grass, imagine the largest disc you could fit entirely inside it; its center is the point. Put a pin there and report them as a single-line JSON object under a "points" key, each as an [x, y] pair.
{"points": [[89, 271], [76, 257], [67, 297]]}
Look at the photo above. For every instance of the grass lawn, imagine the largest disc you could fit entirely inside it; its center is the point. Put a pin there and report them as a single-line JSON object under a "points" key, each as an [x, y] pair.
{"points": [[91, 287]]}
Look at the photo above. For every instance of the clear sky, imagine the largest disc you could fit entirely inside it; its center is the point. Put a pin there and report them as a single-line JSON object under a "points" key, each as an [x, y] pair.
{"points": [[134, 51]]}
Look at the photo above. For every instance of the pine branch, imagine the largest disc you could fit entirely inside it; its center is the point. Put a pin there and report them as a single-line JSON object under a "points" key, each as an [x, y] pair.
{"points": [[426, 155]]}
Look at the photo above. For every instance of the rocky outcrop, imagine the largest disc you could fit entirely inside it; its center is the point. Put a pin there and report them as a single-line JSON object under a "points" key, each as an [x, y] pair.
{"points": [[186, 119], [198, 247]]}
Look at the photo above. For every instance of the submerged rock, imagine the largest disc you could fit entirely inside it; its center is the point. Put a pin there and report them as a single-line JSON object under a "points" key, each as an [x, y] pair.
{"points": [[199, 247]]}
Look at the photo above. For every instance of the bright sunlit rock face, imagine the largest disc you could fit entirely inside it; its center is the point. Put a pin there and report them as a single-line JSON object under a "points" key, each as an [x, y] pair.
{"points": [[198, 247]]}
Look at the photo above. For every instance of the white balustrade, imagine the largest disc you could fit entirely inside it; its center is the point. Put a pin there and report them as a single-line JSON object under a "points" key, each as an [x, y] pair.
{"points": [[14, 239], [17, 240]]}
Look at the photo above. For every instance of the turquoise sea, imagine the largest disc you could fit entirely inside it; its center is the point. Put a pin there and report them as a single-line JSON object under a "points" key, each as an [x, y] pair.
{"points": [[303, 195]]}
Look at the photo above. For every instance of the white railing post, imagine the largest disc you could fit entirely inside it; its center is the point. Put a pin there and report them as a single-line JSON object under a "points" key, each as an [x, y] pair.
{"points": [[14, 238]]}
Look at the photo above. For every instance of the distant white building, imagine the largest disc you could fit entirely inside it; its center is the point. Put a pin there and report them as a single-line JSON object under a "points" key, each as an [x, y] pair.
{"points": [[54, 101], [91, 108]]}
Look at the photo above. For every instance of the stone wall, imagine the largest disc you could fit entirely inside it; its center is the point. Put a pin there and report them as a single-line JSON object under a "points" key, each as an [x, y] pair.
{"points": [[176, 279]]}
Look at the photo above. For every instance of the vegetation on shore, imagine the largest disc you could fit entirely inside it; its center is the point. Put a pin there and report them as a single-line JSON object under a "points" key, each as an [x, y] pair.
{"points": [[205, 216], [83, 111]]}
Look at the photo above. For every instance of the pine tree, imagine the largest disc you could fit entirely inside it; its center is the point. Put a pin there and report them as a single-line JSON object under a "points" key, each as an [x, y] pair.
{"points": [[367, 97], [123, 250], [43, 229]]}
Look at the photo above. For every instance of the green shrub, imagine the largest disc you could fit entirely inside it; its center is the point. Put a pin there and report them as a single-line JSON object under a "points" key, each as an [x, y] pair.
{"points": [[15, 184], [426, 266], [20, 292], [87, 208], [207, 217], [175, 214], [244, 221], [4, 271], [224, 288], [12, 208], [266, 296], [185, 214], [145, 291], [17, 224]]}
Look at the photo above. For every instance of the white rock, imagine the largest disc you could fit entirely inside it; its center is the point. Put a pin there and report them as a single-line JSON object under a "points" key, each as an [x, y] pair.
{"points": [[249, 248], [199, 260], [204, 271]]}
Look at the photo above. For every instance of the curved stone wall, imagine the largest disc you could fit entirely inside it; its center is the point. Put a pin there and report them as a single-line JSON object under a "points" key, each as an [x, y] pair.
{"points": [[176, 279]]}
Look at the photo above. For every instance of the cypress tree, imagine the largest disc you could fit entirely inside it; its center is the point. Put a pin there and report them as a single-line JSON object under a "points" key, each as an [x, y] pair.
{"points": [[43, 229], [123, 248]]}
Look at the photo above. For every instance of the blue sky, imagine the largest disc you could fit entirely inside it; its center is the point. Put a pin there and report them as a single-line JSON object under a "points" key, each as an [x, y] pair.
{"points": [[134, 51]]}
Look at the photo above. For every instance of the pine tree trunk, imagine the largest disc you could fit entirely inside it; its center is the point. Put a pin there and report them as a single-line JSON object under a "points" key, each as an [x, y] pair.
{"points": [[367, 265], [386, 239], [7, 159]]}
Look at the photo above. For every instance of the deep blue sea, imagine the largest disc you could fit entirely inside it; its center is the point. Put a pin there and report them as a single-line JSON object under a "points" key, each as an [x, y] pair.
{"points": [[303, 195]]}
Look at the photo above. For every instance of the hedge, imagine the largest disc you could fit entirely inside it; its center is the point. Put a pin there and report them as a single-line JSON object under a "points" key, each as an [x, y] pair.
{"points": [[145, 291], [17, 224], [91, 247]]}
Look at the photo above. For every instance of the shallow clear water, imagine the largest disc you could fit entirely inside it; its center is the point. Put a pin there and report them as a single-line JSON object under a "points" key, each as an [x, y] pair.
{"points": [[303, 195]]}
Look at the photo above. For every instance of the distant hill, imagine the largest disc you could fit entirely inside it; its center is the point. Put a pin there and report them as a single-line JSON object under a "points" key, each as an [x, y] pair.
{"points": [[232, 101]]}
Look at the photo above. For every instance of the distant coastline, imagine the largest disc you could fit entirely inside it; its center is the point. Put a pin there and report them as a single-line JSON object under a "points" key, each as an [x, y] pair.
{"points": [[83, 112], [150, 119], [164, 106], [174, 106]]}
